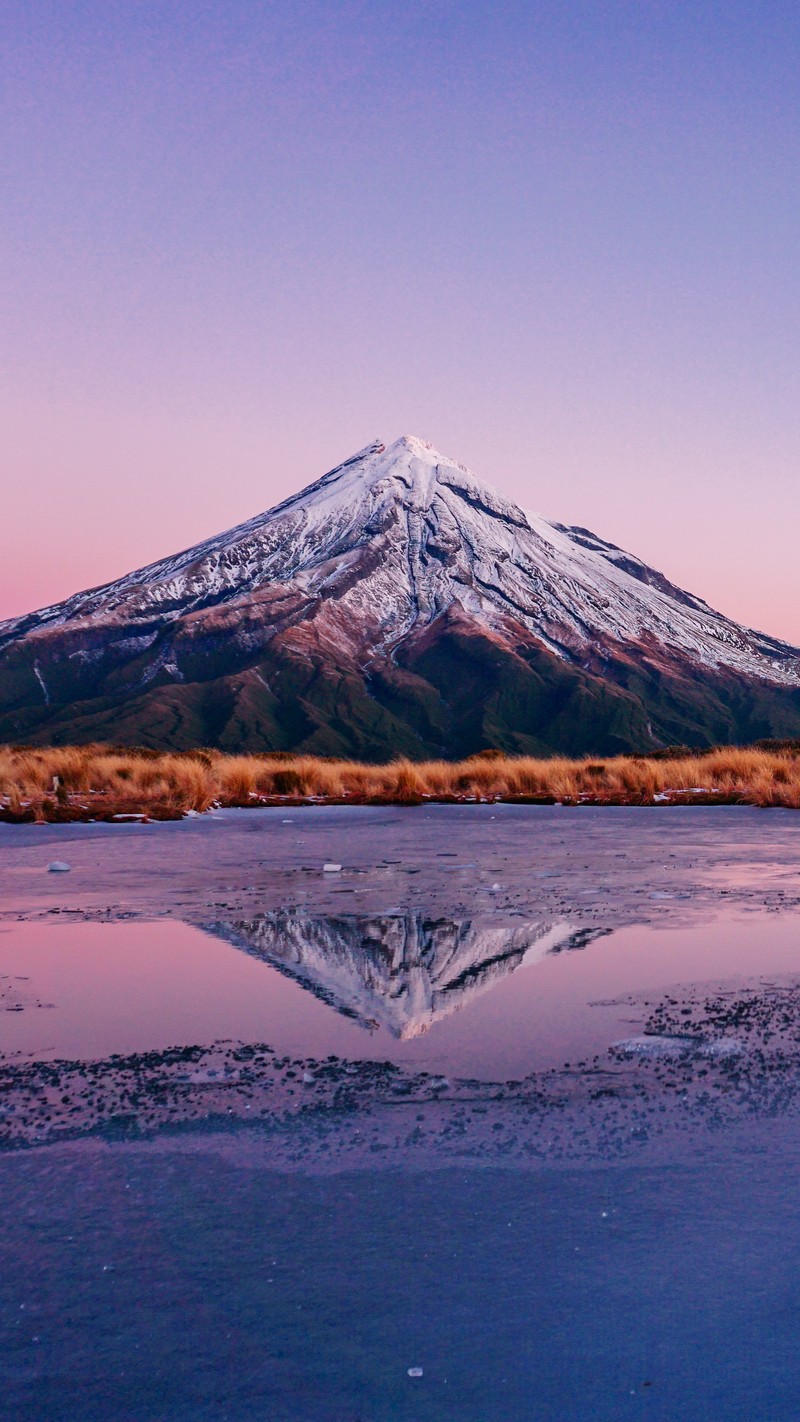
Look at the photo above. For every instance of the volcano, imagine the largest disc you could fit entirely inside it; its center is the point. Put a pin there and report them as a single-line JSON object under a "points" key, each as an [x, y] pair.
{"points": [[399, 605]]}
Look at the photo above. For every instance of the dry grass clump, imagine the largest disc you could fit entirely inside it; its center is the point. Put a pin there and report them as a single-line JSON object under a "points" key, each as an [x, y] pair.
{"points": [[90, 781]]}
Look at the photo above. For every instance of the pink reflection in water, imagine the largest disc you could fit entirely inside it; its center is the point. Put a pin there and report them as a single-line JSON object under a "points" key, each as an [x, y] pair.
{"points": [[145, 985]]}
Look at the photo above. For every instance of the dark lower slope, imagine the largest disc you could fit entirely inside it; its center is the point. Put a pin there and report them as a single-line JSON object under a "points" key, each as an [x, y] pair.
{"points": [[449, 690]]}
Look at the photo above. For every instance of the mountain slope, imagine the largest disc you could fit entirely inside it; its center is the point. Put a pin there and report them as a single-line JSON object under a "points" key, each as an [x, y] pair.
{"points": [[396, 605]]}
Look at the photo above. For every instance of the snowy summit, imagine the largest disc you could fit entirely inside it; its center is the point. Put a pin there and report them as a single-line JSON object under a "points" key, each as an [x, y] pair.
{"points": [[399, 603]]}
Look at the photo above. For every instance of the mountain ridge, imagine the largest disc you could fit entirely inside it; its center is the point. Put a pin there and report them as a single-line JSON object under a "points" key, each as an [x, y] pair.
{"points": [[396, 604]]}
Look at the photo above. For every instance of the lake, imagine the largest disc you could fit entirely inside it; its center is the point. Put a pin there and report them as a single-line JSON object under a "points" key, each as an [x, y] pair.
{"points": [[498, 1121]]}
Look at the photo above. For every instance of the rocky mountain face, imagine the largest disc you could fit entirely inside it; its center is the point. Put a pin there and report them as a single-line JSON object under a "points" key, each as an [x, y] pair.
{"points": [[397, 605]]}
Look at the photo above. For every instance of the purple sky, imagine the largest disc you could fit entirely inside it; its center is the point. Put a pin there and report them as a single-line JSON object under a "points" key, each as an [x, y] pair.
{"points": [[241, 239]]}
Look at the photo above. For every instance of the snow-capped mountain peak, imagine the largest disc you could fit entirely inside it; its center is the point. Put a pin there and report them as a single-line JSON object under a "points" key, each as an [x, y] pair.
{"points": [[401, 557]]}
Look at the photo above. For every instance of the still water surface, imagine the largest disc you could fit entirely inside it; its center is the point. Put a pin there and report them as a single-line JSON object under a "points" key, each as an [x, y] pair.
{"points": [[467, 997]]}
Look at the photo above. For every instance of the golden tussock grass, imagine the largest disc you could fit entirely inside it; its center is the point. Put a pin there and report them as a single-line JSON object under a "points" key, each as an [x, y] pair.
{"points": [[86, 781]]}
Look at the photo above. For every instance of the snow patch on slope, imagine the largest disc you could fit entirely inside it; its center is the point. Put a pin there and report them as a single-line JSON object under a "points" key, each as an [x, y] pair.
{"points": [[393, 537]]}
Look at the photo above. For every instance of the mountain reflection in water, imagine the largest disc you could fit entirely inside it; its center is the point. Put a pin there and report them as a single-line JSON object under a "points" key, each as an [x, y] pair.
{"points": [[403, 972]]}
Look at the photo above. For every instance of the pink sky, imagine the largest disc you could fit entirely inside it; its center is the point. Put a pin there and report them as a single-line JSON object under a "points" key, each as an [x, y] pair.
{"points": [[238, 245]]}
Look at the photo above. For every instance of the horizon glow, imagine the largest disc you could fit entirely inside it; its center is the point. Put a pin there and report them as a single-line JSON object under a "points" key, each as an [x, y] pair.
{"points": [[560, 242]]}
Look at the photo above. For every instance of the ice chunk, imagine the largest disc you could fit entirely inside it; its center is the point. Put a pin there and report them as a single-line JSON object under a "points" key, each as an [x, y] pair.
{"points": [[723, 1047], [652, 1045]]}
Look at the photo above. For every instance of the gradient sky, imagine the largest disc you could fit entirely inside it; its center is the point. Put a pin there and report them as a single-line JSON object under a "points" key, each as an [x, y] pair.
{"points": [[558, 238]]}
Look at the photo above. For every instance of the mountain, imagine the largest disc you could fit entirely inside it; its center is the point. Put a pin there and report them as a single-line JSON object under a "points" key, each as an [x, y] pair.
{"points": [[397, 605], [402, 972]]}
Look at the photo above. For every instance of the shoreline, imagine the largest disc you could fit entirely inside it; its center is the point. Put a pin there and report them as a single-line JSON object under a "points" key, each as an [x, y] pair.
{"points": [[71, 784], [121, 812]]}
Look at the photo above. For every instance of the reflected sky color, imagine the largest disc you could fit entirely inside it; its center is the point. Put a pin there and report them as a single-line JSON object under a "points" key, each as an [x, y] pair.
{"points": [[560, 241], [87, 990]]}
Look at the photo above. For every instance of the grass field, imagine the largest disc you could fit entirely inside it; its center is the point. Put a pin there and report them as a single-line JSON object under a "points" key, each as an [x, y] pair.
{"points": [[103, 782]]}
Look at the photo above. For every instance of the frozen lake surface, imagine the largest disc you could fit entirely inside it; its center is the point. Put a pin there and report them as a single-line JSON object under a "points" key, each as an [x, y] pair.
{"points": [[217, 1205], [191, 1285]]}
